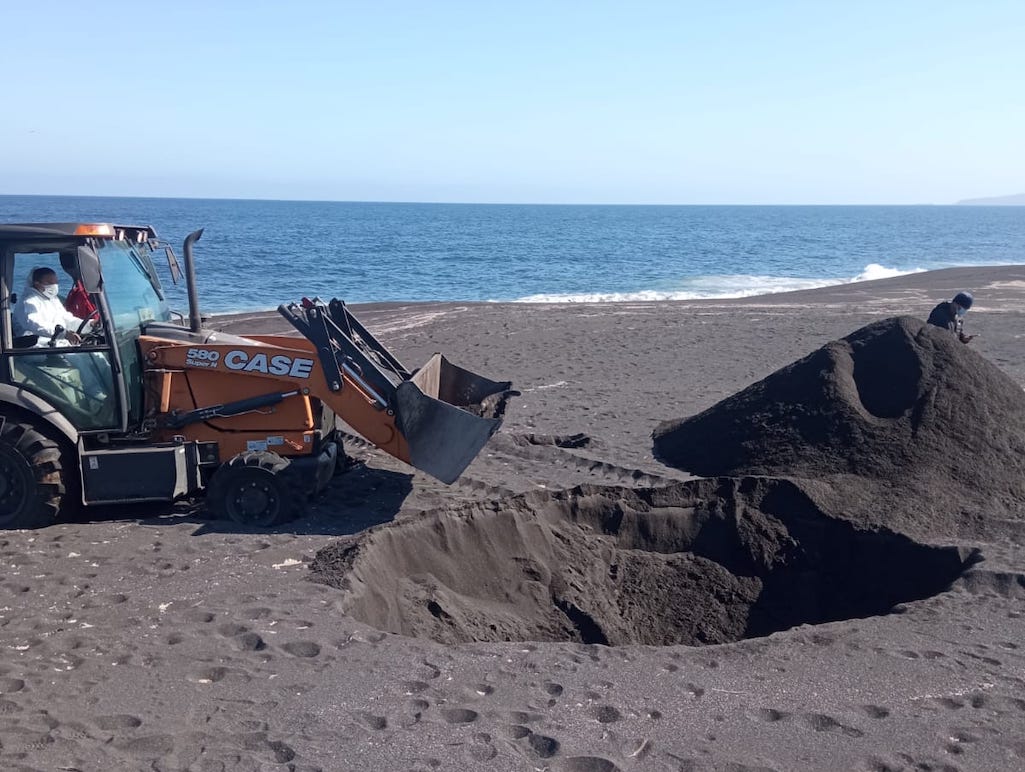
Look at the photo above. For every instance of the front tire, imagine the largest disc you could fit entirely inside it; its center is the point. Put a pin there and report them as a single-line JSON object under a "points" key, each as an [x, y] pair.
{"points": [[32, 482], [256, 488]]}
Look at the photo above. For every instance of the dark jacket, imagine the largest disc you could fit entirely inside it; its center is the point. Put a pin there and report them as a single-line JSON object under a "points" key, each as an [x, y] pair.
{"points": [[945, 316]]}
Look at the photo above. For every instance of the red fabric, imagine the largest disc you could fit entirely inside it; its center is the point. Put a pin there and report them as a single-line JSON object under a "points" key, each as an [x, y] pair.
{"points": [[79, 303]]}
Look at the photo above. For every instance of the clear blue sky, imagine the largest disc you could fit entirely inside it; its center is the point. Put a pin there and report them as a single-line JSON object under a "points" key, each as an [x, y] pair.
{"points": [[604, 102]]}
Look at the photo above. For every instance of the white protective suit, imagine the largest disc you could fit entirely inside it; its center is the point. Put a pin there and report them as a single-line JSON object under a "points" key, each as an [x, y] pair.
{"points": [[37, 314], [88, 375]]}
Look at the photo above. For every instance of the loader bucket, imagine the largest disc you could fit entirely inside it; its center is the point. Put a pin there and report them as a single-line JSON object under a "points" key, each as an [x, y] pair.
{"points": [[443, 413], [447, 414]]}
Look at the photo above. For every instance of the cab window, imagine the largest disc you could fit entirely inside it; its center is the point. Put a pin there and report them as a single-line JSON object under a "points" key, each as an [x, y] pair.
{"points": [[76, 378]]}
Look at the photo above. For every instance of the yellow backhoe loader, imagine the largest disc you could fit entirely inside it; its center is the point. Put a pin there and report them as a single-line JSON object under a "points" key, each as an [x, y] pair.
{"points": [[134, 405]]}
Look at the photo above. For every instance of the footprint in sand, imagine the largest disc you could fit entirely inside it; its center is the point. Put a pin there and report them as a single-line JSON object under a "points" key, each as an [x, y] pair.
{"points": [[875, 711], [585, 764], [67, 662], [74, 731], [305, 649], [537, 746], [117, 722], [99, 601], [543, 747], [153, 745], [963, 736], [198, 616], [552, 688], [480, 748], [427, 672], [413, 712], [369, 720], [414, 687], [606, 714], [515, 731], [231, 629], [260, 612], [823, 723], [249, 642], [22, 739], [769, 715], [695, 691], [521, 717], [208, 675], [459, 715], [11, 685]]}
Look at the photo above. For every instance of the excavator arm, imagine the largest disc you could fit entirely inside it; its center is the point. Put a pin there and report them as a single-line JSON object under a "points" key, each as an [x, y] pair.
{"points": [[444, 413], [436, 418]]}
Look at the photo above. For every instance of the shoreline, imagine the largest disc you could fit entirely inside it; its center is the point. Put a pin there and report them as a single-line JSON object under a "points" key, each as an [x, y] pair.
{"points": [[939, 279], [996, 289]]}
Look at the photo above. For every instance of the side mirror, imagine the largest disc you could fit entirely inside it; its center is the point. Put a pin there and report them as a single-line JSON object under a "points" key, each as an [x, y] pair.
{"points": [[89, 269]]}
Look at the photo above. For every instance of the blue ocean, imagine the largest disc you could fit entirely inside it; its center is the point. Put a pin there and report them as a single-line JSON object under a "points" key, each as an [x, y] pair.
{"points": [[256, 254]]}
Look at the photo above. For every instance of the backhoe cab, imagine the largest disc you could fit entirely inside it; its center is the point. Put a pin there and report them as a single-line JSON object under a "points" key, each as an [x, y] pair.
{"points": [[140, 404]]}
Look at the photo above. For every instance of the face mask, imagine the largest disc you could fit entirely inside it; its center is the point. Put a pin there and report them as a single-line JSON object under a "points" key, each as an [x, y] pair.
{"points": [[50, 290], [962, 311]]}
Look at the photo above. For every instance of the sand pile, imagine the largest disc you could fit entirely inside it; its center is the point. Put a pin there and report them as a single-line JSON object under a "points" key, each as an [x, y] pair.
{"points": [[700, 562], [907, 427]]}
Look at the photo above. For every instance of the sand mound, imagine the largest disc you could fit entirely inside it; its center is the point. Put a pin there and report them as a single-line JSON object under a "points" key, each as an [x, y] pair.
{"points": [[938, 428], [701, 562]]}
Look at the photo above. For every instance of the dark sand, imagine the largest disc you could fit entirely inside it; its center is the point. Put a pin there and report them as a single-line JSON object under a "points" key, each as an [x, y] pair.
{"points": [[160, 640]]}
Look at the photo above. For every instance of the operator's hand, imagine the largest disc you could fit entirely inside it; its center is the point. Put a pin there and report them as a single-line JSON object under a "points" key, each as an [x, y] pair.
{"points": [[75, 339], [967, 338]]}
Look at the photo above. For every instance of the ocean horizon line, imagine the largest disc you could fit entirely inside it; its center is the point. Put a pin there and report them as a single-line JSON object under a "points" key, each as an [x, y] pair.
{"points": [[378, 202]]}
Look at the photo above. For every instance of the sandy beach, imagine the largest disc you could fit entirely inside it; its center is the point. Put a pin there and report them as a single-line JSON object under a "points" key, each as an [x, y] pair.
{"points": [[161, 640]]}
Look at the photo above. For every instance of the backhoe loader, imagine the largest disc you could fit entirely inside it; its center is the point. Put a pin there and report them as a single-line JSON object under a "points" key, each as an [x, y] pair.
{"points": [[137, 404]]}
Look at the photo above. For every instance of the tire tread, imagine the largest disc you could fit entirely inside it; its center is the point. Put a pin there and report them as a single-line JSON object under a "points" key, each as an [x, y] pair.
{"points": [[293, 500], [44, 457]]}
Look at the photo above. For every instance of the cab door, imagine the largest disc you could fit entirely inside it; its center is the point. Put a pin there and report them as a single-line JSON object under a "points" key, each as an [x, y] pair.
{"points": [[78, 380]]}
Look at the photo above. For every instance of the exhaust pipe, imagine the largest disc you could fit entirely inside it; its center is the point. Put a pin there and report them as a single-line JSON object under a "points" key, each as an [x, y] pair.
{"points": [[195, 321]]}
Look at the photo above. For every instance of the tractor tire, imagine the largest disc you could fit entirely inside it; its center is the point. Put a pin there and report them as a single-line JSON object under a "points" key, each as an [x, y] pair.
{"points": [[256, 488], [32, 478]]}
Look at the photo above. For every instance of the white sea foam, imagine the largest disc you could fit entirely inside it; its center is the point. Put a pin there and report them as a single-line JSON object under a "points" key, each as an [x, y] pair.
{"points": [[719, 287]]}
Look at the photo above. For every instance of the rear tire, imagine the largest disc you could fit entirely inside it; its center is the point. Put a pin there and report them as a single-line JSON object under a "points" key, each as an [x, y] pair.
{"points": [[256, 488], [32, 481]]}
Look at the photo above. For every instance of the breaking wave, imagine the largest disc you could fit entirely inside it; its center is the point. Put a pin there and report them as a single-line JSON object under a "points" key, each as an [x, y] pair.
{"points": [[719, 287]]}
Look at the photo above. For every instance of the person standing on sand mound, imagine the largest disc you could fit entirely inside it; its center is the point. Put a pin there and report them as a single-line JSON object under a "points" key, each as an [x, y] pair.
{"points": [[950, 316]]}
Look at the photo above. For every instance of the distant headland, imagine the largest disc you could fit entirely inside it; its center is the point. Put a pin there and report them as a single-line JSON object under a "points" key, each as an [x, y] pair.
{"points": [[1016, 200]]}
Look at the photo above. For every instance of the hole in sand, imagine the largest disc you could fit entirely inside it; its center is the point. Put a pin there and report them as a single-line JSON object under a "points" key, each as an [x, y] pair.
{"points": [[700, 562], [887, 372]]}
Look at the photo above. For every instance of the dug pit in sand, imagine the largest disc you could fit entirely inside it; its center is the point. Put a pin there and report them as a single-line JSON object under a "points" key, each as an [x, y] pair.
{"points": [[699, 562]]}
